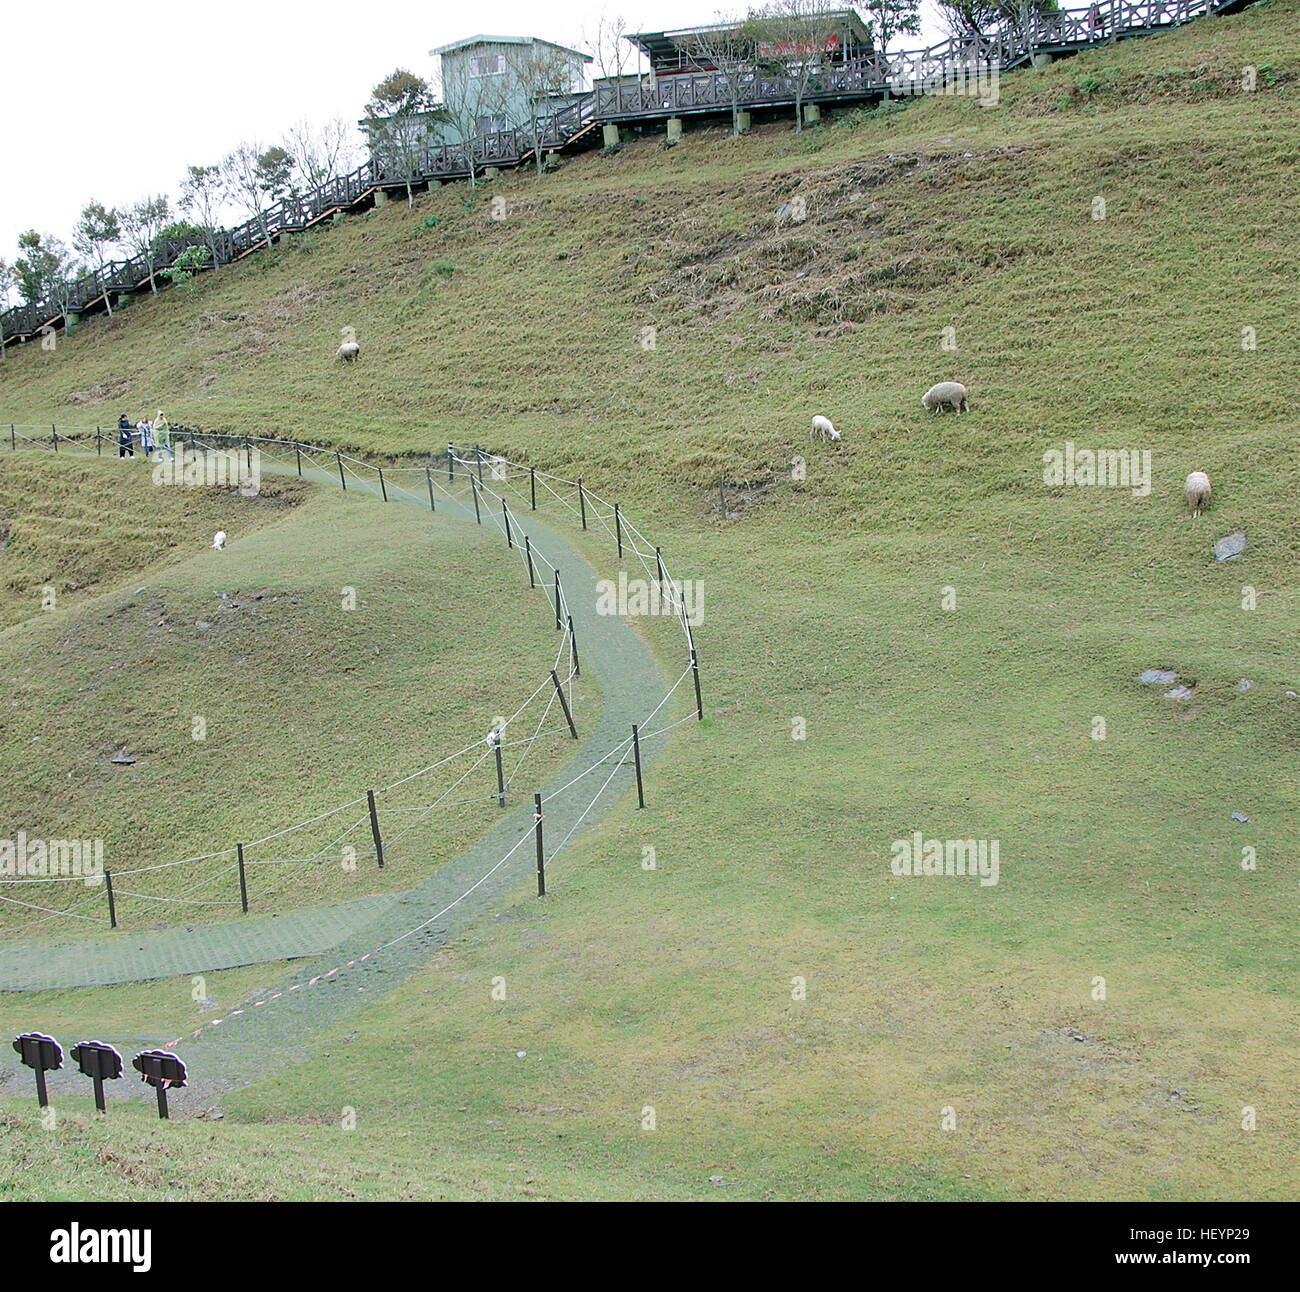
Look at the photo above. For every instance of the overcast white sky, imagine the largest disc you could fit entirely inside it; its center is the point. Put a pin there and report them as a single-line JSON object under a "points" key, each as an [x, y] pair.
{"points": [[111, 101]]}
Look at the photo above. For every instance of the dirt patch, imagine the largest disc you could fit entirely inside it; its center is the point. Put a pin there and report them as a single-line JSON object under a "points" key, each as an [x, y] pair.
{"points": [[101, 392]]}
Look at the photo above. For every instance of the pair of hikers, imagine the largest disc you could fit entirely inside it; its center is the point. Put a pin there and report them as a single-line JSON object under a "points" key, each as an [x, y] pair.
{"points": [[156, 434]]}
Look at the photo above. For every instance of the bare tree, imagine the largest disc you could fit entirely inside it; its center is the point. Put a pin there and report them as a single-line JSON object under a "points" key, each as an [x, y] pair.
{"points": [[468, 101], [97, 231], [255, 178], [730, 49], [538, 76], [201, 194], [611, 52], [322, 153], [141, 225], [398, 119], [793, 37]]}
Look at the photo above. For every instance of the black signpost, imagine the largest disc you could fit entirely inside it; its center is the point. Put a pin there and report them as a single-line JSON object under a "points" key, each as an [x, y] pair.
{"points": [[100, 1063], [160, 1068], [42, 1053]]}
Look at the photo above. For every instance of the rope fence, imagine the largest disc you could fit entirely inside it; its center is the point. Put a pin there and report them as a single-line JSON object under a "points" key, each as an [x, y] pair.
{"points": [[472, 484]]}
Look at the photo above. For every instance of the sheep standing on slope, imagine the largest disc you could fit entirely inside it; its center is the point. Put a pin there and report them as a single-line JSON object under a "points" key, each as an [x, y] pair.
{"points": [[349, 352], [822, 426], [219, 540], [1197, 491], [946, 392]]}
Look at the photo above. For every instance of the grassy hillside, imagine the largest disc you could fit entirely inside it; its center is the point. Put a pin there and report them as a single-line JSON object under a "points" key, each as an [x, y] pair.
{"points": [[942, 628], [302, 701]]}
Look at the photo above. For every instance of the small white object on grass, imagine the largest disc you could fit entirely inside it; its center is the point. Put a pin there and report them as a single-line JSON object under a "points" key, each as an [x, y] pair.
{"points": [[822, 426], [219, 539]]}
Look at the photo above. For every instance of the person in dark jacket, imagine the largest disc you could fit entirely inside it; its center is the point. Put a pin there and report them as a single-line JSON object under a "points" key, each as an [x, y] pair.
{"points": [[125, 447]]}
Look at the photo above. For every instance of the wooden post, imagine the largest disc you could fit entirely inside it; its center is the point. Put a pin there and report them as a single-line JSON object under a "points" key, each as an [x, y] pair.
{"points": [[374, 828], [99, 442], [564, 704], [382, 490], [248, 454], [501, 780], [557, 601], [161, 1092], [451, 463], [636, 754], [297, 448], [528, 552], [573, 641], [428, 479], [505, 512], [342, 478], [532, 484], [659, 561], [112, 909], [243, 883], [13, 437], [55, 431], [537, 830], [618, 531], [582, 503], [695, 668], [473, 488]]}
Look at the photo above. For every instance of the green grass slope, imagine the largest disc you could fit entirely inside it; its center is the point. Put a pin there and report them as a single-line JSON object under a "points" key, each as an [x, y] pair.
{"points": [[328, 651], [1115, 1017]]}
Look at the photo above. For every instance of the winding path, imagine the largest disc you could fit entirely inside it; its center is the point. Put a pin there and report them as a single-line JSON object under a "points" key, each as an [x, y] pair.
{"points": [[249, 1040]]}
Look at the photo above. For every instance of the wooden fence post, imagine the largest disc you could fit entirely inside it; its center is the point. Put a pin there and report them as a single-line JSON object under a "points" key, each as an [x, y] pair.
{"points": [[564, 704], [528, 552], [297, 448], [557, 601], [532, 483], [505, 512], [537, 830], [243, 883], [636, 754], [582, 503], [473, 488], [374, 828], [501, 780], [573, 642], [695, 669], [382, 490], [338, 457], [618, 530]]}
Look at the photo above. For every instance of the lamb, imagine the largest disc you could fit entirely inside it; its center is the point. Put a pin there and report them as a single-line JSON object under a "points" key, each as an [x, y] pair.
{"points": [[822, 426], [946, 392], [219, 540], [349, 352], [1197, 491]]}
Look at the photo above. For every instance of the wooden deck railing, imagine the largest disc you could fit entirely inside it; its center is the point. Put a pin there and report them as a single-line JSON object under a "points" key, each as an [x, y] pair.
{"points": [[911, 72]]}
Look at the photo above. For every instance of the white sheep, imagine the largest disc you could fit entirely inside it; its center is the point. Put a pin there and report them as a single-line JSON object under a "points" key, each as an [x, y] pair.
{"points": [[946, 392], [349, 352], [1197, 490], [822, 426], [219, 540]]}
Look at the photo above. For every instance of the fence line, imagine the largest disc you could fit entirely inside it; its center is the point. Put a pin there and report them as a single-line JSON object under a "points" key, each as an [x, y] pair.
{"points": [[564, 669]]}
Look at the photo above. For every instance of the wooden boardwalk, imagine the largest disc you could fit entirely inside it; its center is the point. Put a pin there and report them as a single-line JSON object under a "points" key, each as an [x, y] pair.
{"points": [[974, 60]]}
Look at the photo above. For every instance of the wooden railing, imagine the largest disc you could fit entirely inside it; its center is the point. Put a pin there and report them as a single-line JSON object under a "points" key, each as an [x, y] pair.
{"points": [[911, 72]]}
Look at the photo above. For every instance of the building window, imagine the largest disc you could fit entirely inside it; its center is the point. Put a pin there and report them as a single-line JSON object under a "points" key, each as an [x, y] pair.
{"points": [[487, 65]]}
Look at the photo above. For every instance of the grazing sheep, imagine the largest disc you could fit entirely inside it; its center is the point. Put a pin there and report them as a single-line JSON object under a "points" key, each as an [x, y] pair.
{"points": [[219, 540], [946, 392], [1197, 490], [822, 426], [349, 352]]}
